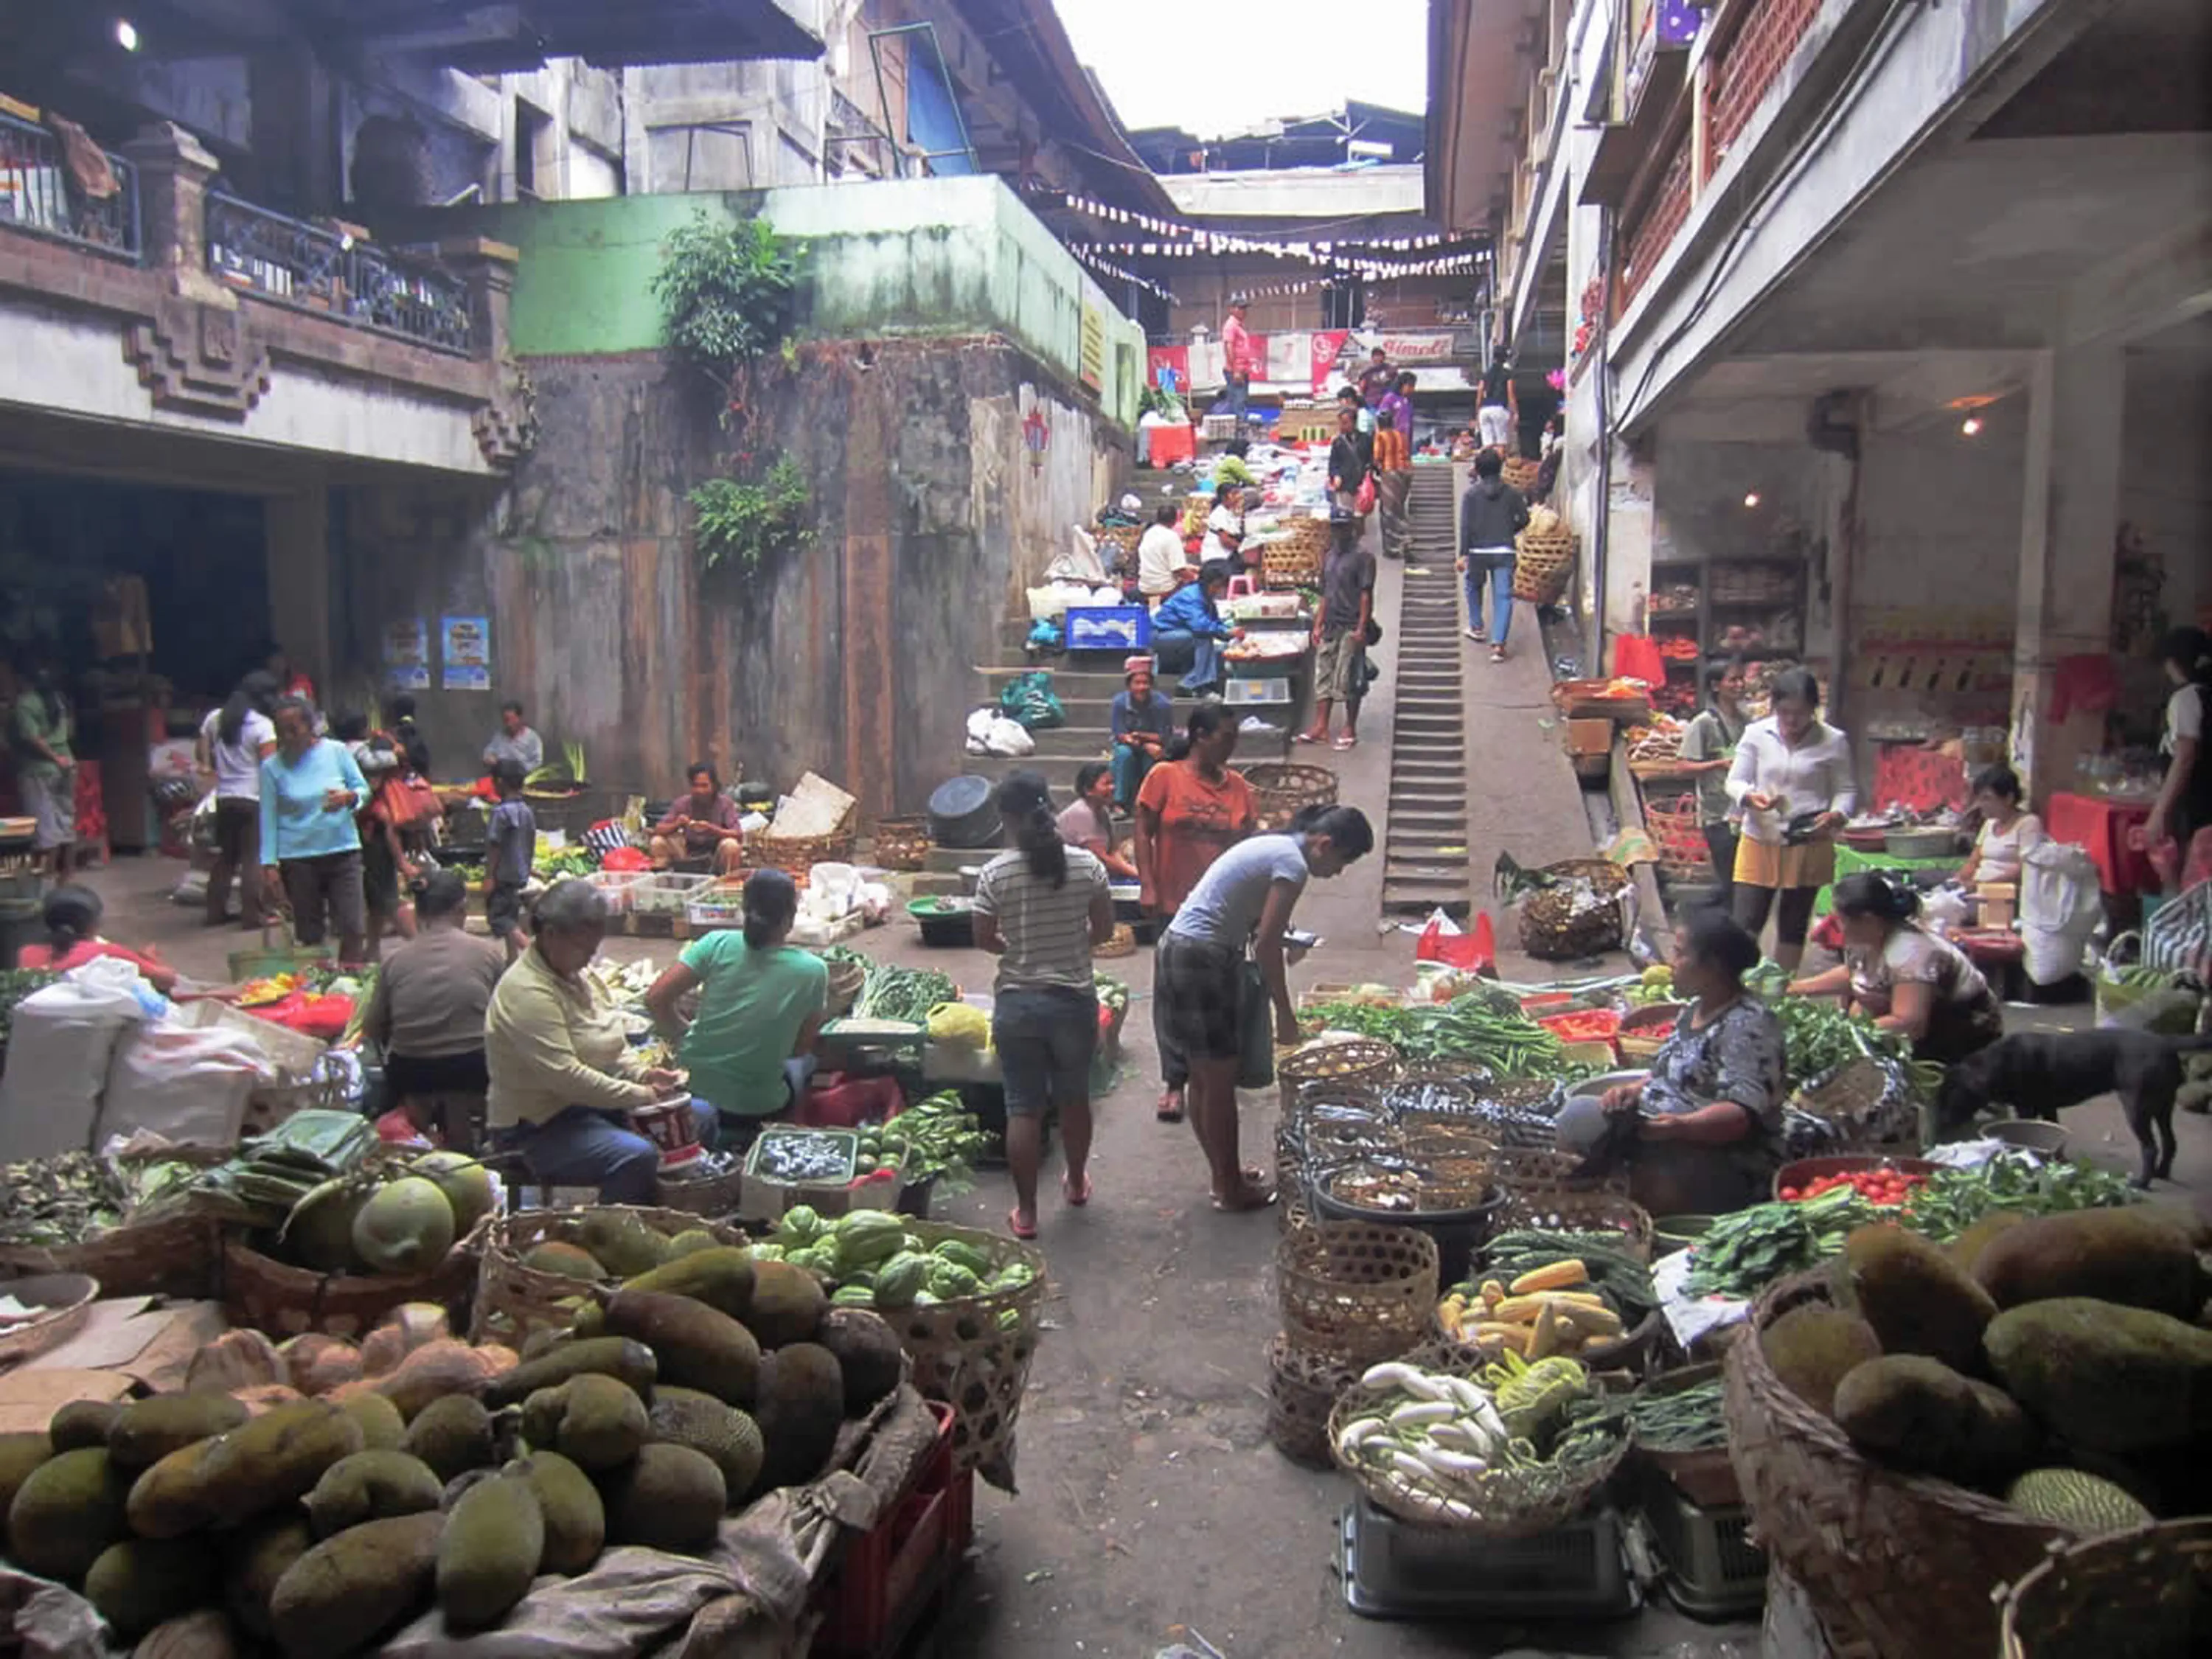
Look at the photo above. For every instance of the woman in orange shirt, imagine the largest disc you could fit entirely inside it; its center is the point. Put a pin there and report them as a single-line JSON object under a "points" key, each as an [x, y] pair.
{"points": [[1189, 811], [72, 918]]}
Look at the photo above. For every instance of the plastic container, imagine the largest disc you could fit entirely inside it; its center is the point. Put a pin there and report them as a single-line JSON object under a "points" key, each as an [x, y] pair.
{"points": [[963, 812], [2030, 1134], [665, 893], [1109, 628], [1458, 1233], [889, 1575], [1806, 1170], [617, 887], [1711, 1569], [944, 929], [1393, 1568]]}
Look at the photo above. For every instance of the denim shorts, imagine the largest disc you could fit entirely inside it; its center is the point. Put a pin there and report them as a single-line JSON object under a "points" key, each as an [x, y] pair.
{"points": [[1046, 1039]]}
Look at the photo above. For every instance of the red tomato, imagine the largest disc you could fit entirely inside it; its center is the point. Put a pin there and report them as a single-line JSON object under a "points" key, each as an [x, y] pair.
{"points": [[1791, 1194]]}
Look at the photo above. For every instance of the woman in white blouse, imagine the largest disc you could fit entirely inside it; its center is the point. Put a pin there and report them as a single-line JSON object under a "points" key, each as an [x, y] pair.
{"points": [[2008, 830], [1792, 779], [1224, 527]]}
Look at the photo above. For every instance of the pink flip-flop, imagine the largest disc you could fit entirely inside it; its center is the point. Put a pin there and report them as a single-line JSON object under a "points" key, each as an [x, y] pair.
{"points": [[1078, 1199], [1016, 1226]]}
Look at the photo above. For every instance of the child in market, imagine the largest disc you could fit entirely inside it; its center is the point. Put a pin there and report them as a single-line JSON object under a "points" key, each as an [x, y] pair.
{"points": [[511, 850]]}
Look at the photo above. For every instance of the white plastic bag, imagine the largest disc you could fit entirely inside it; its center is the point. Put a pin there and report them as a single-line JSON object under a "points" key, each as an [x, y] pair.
{"points": [[188, 1084], [1009, 737], [58, 1050], [2060, 906]]}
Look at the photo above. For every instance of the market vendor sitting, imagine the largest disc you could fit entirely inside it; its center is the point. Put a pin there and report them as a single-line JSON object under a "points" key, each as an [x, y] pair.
{"points": [[1142, 724], [1910, 982], [564, 1077], [1188, 631], [703, 825], [514, 741], [1707, 1119], [1088, 820]]}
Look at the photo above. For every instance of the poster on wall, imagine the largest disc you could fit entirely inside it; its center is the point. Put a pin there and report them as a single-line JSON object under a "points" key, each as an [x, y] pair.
{"points": [[407, 655], [465, 646], [1091, 348]]}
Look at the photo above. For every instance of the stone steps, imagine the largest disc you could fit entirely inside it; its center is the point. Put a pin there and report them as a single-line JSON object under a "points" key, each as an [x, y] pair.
{"points": [[1424, 853]]}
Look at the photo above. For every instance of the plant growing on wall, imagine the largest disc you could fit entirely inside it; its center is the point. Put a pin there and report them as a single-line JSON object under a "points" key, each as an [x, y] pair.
{"points": [[745, 523], [728, 293]]}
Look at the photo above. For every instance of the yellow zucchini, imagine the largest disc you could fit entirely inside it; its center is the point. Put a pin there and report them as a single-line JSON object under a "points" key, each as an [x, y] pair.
{"points": [[1593, 1322], [1515, 1337], [1557, 1276], [1545, 1337]]}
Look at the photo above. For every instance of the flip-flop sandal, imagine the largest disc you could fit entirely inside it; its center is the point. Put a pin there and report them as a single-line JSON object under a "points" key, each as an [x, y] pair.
{"points": [[1016, 1226], [1342, 744], [1306, 738], [1249, 1197], [1078, 1200], [1167, 1114], [1497, 654]]}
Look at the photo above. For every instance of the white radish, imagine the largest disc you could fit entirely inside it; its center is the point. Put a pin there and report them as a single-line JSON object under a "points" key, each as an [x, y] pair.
{"points": [[1415, 1414], [1394, 1374]]}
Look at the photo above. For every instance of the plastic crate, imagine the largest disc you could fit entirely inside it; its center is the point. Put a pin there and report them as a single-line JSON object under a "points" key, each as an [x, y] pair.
{"points": [[617, 887], [1109, 628], [1244, 694], [1712, 1569], [664, 894], [889, 1575], [1393, 1568]]}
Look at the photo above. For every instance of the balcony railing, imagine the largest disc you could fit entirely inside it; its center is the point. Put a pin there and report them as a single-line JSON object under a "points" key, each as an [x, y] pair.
{"points": [[303, 265], [46, 190]]}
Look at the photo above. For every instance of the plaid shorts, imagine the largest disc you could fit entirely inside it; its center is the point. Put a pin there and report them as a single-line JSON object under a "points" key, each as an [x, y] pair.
{"points": [[1338, 665], [1197, 988]]}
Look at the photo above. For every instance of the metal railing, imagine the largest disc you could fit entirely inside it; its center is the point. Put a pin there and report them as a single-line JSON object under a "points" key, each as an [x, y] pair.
{"points": [[301, 265], [41, 192]]}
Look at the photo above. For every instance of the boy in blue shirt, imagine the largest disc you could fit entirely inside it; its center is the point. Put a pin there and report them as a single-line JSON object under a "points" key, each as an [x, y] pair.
{"points": [[508, 857]]}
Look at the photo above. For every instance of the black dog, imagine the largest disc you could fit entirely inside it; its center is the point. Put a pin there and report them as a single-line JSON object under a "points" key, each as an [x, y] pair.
{"points": [[2037, 1072]]}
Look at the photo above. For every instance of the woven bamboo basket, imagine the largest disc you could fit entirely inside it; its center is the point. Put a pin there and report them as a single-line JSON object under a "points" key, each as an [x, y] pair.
{"points": [[1900, 1566], [1356, 1292], [713, 1196], [1677, 829], [903, 843], [965, 1356], [1502, 1502], [1292, 564], [1122, 942], [1301, 1391], [1282, 789], [1358, 1063], [1643, 1031], [1519, 472], [284, 1301], [169, 1255], [1557, 926], [797, 854], [1544, 566], [1869, 1102], [514, 1301], [2145, 1591]]}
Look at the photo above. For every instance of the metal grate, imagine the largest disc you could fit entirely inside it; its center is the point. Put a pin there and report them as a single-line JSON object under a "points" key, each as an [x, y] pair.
{"points": [[39, 193], [319, 269]]}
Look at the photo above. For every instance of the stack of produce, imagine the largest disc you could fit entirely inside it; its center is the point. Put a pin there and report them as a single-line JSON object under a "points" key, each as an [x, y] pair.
{"points": [[871, 1260], [272, 1173], [392, 1218], [936, 1139], [317, 1497], [1482, 1028], [74, 1197], [906, 994], [1541, 1293]]}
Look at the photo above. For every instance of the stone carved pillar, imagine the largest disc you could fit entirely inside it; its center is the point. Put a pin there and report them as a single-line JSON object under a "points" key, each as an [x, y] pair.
{"points": [[174, 171]]}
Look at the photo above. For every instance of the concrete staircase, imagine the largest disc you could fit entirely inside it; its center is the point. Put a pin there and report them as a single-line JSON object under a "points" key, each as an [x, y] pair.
{"points": [[1424, 862]]}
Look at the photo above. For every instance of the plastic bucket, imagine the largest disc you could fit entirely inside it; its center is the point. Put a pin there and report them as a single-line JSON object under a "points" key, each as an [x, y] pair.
{"points": [[673, 1128]]}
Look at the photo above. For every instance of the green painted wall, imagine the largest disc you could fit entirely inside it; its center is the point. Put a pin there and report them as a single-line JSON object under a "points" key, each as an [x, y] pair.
{"points": [[926, 256]]}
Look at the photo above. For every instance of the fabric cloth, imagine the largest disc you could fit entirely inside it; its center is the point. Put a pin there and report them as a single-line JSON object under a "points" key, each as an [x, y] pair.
{"points": [[1495, 422], [1197, 657], [1223, 526], [1161, 559], [1812, 775], [431, 995], [238, 765], [1754, 901], [1495, 572], [752, 1006], [326, 896], [1713, 735], [1394, 412], [1225, 907], [1339, 660], [553, 1042], [2106, 829], [2185, 721], [1188, 610], [1810, 864], [1047, 929], [1199, 820], [1497, 386], [1391, 494], [237, 853], [581, 1147], [379, 876], [525, 747], [84, 950], [1237, 357], [1738, 1057], [1347, 577], [1082, 825], [1719, 847], [2001, 850], [1155, 715], [1393, 450], [32, 722], [2087, 684], [1197, 995], [511, 842], [1045, 1037], [49, 801], [295, 823], [1966, 1015], [1491, 514]]}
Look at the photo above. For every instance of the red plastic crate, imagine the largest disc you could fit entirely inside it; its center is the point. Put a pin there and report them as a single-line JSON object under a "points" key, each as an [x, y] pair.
{"points": [[889, 1574]]}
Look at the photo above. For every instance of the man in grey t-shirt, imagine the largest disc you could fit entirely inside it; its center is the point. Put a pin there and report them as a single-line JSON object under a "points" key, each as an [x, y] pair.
{"points": [[514, 741], [1708, 749]]}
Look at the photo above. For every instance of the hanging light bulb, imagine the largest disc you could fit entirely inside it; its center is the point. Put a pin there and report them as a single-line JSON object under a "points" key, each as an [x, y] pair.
{"points": [[1751, 498], [1970, 425]]}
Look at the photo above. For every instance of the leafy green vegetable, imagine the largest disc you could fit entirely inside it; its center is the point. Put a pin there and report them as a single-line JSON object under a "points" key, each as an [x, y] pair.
{"points": [[904, 993], [1953, 1199], [1742, 1253], [1484, 1027], [15, 984]]}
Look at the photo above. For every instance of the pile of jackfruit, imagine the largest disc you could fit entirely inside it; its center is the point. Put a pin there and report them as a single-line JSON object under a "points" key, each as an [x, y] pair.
{"points": [[2062, 1363], [313, 1497]]}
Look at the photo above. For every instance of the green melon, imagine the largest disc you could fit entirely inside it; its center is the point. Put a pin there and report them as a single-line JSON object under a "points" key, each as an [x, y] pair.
{"points": [[465, 1183], [406, 1227], [318, 1235], [2082, 1502]]}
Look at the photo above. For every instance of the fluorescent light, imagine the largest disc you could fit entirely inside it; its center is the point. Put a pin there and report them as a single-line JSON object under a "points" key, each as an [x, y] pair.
{"points": [[126, 35]]}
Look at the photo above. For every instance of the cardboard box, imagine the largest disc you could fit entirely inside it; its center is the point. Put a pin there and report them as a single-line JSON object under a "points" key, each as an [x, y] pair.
{"points": [[1590, 737]]}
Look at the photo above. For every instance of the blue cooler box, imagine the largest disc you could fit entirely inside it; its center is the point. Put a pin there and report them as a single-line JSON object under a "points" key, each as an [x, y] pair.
{"points": [[1110, 628]]}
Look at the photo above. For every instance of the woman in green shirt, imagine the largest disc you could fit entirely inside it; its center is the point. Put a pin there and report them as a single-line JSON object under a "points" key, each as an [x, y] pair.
{"points": [[46, 769], [749, 1047]]}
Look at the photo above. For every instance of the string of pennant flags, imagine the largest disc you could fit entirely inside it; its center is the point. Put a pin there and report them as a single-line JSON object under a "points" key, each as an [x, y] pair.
{"points": [[1347, 262], [1171, 239], [1083, 251]]}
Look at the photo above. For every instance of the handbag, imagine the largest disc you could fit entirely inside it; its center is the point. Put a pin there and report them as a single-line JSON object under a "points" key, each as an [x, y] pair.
{"points": [[1256, 1028], [1363, 501]]}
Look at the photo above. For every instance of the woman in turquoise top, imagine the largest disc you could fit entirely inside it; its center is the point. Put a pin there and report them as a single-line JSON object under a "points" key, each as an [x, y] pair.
{"points": [[310, 848], [749, 1047]]}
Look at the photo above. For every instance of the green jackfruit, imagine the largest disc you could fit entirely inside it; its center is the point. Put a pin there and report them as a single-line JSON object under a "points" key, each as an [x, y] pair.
{"points": [[625, 1246], [1966, 1248], [382, 1427], [1915, 1297], [683, 1417], [1908, 1410], [691, 1243], [369, 1486], [2140, 1257], [2112, 1378], [147, 1430], [259, 1557], [668, 1498], [722, 1278], [574, 1514], [617, 1357], [173, 1498], [594, 1421], [1813, 1347], [83, 1422], [342, 1595], [802, 1401], [867, 1352], [452, 1435], [2080, 1503], [275, 1458], [788, 1303], [489, 1551], [568, 1260], [202, 1633], [68, 1509], [694, 1346], [20, 1454], [141, 1582]]}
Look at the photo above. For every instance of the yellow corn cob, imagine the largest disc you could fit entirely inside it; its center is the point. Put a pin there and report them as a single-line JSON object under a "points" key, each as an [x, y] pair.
{"points": [[1593, 1322], [1558, 1276], [1514, 1339], [1576, 1298], [1522, 1309], [1493, 1292]]}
